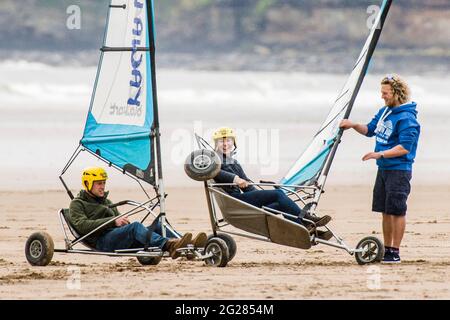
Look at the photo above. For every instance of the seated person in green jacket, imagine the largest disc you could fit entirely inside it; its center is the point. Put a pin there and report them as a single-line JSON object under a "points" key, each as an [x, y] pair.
{"points": [[90, 209]]}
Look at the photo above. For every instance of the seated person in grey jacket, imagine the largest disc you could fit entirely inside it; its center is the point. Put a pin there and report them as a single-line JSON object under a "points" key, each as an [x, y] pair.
{"points": [[232, 172]]}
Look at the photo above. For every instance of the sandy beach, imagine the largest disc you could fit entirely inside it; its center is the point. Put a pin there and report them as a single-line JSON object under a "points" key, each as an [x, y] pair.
{"points": [[40, 131], [260, 270], [271, 71]]}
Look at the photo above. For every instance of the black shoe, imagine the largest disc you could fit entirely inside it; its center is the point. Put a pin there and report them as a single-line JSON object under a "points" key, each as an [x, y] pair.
{"points": [[391, 257], [324, 235], [309, 226], [319, 221]]}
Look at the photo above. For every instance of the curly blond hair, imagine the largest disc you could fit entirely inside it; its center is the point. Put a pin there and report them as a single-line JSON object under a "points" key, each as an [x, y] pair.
{"points": [[400, 88]]}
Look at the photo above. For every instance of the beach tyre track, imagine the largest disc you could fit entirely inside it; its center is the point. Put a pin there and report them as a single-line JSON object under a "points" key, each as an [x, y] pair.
{"points": [[39, 249]]}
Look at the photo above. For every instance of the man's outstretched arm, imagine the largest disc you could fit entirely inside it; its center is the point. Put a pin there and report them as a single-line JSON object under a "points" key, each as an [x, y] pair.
{"points": [[360, 128]]}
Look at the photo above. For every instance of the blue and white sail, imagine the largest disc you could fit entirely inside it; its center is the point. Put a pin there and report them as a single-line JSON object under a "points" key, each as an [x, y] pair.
{"points": [[122, 113], [316, 159]]}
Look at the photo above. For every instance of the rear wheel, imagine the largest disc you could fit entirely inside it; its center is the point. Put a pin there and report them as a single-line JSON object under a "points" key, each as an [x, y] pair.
{"points": [[149, 261], [39, 249], [373, 251], [202, 165], [231, 244], [219, 252]]}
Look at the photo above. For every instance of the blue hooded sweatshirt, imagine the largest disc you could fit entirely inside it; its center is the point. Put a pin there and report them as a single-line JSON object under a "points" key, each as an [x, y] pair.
{"points": [[395, 126]]}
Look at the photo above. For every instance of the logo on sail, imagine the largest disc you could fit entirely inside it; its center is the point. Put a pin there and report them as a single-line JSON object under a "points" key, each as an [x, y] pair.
{"points": [[134, 102]]}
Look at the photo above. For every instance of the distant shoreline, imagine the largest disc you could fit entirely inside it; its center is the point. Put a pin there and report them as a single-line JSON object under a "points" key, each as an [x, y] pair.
{"points": [[432, 62]]}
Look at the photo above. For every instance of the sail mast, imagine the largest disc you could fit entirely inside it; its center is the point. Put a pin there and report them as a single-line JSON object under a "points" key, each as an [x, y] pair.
{"points": [[155, 131], [371, 49], [314, 164], [385, 10]]}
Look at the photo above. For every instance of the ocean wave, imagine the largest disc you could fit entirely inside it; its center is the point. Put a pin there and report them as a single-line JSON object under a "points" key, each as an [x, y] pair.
{"points": [[36, 85]]}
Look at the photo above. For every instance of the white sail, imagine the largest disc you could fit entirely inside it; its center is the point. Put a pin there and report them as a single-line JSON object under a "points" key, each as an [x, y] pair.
{"points": [[309, 166], [124, 81], [122, 116]]}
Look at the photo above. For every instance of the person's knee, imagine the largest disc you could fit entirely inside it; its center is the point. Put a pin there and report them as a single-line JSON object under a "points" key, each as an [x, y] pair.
{"points": [[280, 194], [139, 232], [282, 197], [135, 224], [137, 227]]}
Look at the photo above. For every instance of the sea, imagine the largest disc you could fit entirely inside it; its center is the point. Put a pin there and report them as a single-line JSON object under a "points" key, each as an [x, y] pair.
{"points": [[43, 110]]}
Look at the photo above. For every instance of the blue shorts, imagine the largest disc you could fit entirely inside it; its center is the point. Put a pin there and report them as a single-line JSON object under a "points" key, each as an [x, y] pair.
{"points": [[391, 191]]}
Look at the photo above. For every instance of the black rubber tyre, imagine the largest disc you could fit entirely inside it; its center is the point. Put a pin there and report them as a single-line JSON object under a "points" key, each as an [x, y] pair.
{"points": [[202, 165], [218, 247], [149, 261], [190, 256], [231, 244], [374, 253], [39, 249]]}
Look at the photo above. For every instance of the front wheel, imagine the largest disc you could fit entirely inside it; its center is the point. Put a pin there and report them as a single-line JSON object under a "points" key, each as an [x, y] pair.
{"points": [[39, 249], [373, 251], [231, 244], [219, 250]]}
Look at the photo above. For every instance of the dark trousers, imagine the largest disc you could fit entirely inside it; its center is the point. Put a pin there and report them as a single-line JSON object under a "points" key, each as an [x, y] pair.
{"points": [[274, 199], [133, 235]]}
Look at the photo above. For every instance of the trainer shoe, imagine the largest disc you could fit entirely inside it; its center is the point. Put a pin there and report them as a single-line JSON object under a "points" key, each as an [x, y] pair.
{"points": [[391, 257], [309, 226], [200, 240], [324, 235], [319, 221], [173, 244]]}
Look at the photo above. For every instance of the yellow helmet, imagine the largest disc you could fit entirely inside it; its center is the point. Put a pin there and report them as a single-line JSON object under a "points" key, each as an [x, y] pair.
{"points": [[224, 132], [92, 174]]}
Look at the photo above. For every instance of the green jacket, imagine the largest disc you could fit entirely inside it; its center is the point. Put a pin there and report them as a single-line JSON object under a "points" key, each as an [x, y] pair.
{"points": [[87, 212]]}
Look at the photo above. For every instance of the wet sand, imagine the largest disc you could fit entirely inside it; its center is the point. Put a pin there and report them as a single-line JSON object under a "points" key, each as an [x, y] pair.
{"points": [[260, 270]]}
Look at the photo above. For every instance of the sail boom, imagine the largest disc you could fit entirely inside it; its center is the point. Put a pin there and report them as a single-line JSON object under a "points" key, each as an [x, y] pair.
{"points": [[118, 6], [112, 138], [124, 49]]}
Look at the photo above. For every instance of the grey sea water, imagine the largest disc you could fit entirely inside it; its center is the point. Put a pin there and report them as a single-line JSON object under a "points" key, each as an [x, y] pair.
{"points": [[276, 114]]}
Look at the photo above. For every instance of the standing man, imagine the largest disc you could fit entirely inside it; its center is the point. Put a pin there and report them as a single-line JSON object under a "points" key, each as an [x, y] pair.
{"points": [[397, 132]]}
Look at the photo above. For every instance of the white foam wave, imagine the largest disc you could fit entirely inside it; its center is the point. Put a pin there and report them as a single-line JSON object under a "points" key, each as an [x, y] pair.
{"points": [[36, 85]]}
